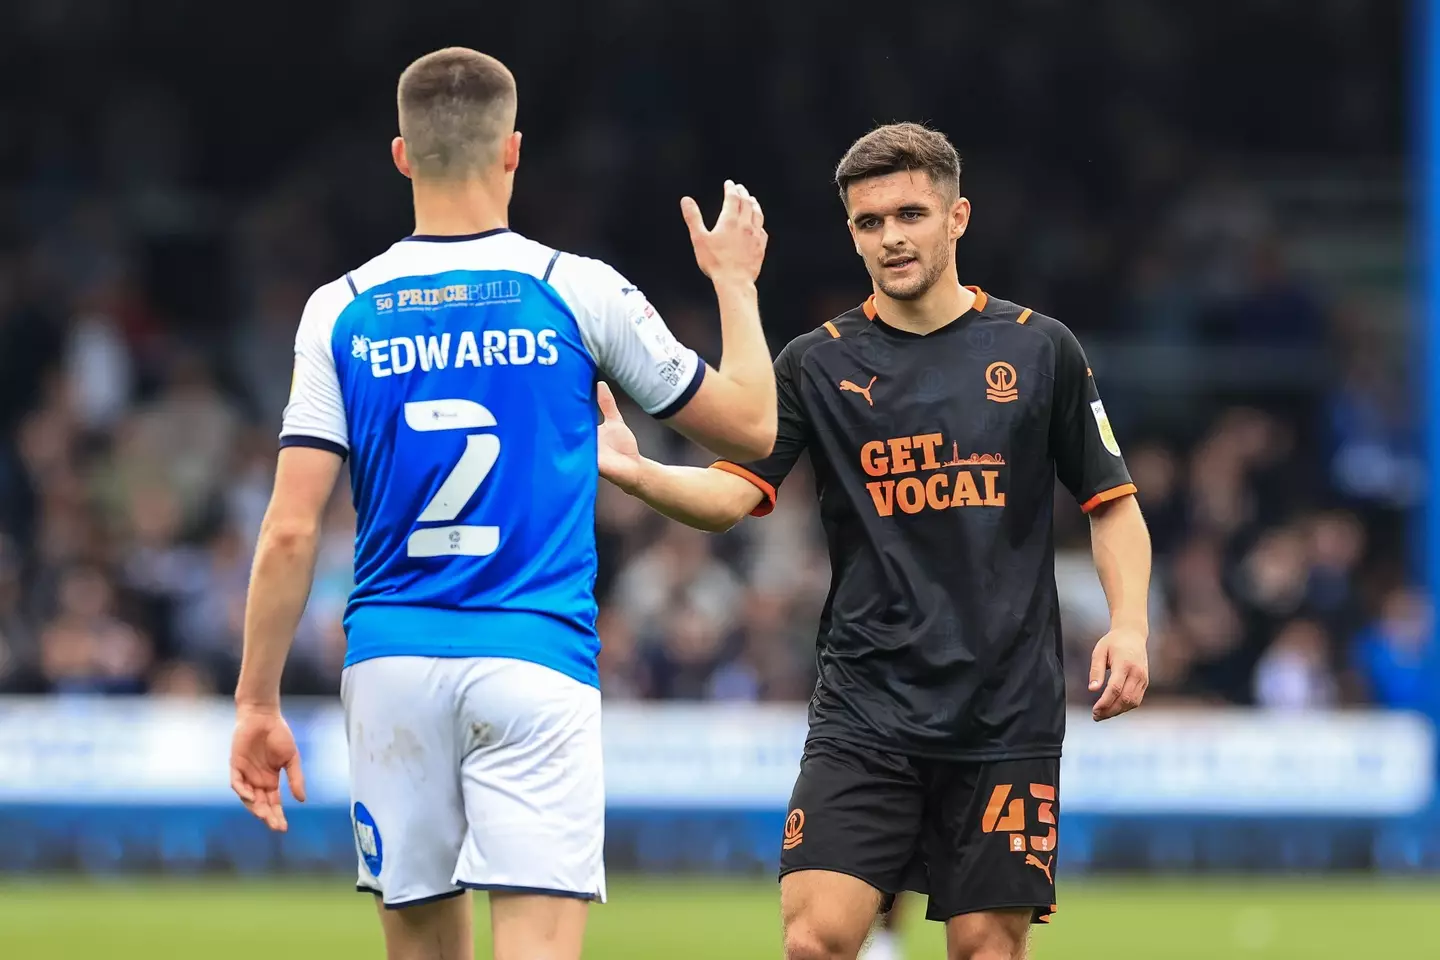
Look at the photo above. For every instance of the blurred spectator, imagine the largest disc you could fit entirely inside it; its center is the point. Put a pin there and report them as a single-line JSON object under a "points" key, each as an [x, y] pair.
{"points": [[764, 660], [1337, 544], [622, 675], [210, 602], [182, 680], [1156, 473], [148, 305], [85, 647], [182, 439], [17, 640], [681, 651], [678, 570], [1373, 434], [1295, 673], [99, 367], [263, 350], [1392, 653]]}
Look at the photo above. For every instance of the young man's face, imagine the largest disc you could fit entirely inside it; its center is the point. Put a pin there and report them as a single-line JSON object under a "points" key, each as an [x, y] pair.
{"points": [[905, 230]]}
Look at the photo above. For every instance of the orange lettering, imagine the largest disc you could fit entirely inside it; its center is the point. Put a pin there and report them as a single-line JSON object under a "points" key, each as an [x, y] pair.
{"points": [[992, 499], [1014, 819], [1046, 814], [912, 494], [929, 441], [933, 496], [900, 455], [873, 460], [966, 493], [883, 493]]}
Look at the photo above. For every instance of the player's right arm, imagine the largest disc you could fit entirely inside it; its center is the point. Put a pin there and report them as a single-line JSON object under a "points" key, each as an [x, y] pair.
{"points": [[714, 498], [700, 497], [730, 411], [733, 413]]}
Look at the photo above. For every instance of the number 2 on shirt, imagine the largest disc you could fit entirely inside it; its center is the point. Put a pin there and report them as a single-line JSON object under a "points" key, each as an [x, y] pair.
{"points": [[481, 452]]}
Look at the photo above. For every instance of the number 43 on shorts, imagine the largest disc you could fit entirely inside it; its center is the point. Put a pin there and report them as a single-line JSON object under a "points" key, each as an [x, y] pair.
{"points": [[475, 464], [1001, 817]]}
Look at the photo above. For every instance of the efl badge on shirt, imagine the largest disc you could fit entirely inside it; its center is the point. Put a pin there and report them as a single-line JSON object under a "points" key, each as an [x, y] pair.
{"points": [[1107, 434]]}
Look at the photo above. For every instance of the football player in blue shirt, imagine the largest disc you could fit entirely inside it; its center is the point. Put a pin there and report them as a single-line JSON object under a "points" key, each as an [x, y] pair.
{"points": [[457, 373]]}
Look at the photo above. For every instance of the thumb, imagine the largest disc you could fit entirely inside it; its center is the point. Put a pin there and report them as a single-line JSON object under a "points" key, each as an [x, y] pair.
{"points": [[296, 776], [1097, 665], [690, 210], [608, 407]]}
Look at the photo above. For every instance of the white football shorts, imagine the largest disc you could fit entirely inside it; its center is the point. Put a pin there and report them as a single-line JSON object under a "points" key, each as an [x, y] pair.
{"points": [[483, 773]]}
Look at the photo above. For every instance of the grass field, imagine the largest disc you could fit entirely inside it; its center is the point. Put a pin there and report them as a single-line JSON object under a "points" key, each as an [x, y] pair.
{"points": [[1145, 919]]}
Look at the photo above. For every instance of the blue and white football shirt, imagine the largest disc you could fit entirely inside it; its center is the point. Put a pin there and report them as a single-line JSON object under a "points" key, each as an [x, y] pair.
{"points": [[458, 375]]}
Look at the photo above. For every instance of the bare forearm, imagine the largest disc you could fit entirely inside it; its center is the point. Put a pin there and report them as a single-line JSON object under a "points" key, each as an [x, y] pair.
{"points": [[1121, 544], [745, 356], [699, 497], [279, 587]]}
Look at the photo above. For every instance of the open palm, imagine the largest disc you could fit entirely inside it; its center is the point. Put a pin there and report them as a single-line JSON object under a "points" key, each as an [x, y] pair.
{"points": [[618, 454]]}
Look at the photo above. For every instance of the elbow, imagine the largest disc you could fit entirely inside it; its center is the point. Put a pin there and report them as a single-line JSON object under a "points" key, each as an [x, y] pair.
{"points": [[720, 524], [755, 442], [288, 537]]}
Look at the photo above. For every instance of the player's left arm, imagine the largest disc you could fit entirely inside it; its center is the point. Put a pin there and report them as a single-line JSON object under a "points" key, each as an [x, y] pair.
{"points": [[1088, 461], [314, 442], [1121, 545]]}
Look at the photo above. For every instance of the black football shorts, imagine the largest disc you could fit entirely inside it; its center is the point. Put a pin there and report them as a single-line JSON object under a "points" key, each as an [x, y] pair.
{"points": [[975, 836]]}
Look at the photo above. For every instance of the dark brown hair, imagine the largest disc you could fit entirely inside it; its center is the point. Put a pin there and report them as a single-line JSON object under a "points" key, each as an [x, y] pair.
{"points": [[456, 105], [896, 147]]}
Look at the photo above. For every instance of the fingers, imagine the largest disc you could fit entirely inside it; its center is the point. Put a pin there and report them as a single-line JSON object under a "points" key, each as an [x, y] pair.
{"points": [[1134, 693], [260, 806], [738, 206], [276, 819], [608, 407], [748, 209], [1106, 706], [734, 198], [1098, 661], [263, 801], [690, 210], [1124, 692], [296, 776], [241, 787]]}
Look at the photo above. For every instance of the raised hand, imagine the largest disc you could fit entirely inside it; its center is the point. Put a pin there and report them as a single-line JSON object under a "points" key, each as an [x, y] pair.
{"points": [[734, 248]]}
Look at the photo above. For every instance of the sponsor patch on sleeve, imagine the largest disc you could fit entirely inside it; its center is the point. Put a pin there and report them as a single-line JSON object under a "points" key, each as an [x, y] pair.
{"points": [[1107, 433]]}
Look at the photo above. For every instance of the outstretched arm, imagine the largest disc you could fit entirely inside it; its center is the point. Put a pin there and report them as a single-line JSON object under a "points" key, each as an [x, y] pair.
{"points": [[706, 499]]}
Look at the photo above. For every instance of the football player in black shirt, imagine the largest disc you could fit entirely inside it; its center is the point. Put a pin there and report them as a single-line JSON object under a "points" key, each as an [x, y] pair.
{"points": [[937, 418]]}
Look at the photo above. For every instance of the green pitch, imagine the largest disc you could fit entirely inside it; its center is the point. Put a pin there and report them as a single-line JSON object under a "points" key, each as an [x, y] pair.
{"points": [[1153, 919]]}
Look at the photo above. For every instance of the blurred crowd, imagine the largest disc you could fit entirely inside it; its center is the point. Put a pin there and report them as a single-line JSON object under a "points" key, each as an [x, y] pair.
{"points": [[128, 528], [156, 250]]}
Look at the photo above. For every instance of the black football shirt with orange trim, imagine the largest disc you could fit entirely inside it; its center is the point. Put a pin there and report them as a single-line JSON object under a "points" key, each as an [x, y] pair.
{"points": [[935, 460]]}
